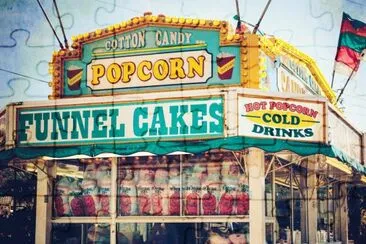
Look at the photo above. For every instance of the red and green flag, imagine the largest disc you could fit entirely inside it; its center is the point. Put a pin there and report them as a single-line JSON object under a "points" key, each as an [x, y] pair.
{"points": [[351, 45]]}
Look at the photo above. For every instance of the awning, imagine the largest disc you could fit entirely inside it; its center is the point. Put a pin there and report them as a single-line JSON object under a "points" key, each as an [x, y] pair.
{"points": [[166, 147]]}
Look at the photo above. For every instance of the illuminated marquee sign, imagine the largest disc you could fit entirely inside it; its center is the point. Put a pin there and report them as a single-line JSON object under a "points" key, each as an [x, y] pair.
{"points": [[149, 70], [281, 118], [121, 122], [146, 59]]}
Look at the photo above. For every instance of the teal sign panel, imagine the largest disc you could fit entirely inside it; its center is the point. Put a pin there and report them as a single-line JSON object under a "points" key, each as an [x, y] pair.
{"points": [[151, 59], [172, 119]]}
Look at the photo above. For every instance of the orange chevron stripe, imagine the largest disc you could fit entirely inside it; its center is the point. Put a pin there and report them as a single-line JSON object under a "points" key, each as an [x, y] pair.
{"points": [[226, 67]]}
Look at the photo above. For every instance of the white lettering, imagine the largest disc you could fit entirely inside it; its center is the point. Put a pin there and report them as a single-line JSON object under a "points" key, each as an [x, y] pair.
{"points": [[158, 38]]}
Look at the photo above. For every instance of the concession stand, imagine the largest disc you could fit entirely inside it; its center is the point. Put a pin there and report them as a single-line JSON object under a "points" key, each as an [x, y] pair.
{"points": [[176, 130]]}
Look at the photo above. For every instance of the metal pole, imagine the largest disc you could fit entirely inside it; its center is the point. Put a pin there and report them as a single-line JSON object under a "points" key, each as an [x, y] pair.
{"points": [[333, 78], [238, 26], [274, 202], [349, 78], [292, 205], [261, 18], [327, 201], [181, 184], [307, 204]]}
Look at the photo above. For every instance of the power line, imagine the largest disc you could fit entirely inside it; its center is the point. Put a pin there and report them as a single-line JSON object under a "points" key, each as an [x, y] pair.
{"points": [[25, 76], [49, 23], [62, 26]]}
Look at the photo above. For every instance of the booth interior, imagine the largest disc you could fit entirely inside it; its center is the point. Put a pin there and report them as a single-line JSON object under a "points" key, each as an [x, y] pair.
{"points": [[192, 198]]}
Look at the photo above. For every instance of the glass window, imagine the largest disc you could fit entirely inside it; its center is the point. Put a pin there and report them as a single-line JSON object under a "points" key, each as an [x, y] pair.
{"points": [[269, 233], [325, 212], [83, 188], [194, 185], [81, 233], [176, 233]]}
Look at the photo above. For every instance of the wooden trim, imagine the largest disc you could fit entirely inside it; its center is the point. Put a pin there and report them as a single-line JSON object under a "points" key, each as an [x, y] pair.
{"points": [[183, 219], [82, 220], [157, 219]]}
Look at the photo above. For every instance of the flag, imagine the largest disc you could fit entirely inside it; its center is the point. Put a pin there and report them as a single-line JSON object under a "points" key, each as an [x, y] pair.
{"points": [[351, 45]]}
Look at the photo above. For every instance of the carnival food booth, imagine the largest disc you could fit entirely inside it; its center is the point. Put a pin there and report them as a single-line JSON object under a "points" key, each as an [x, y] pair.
{"points": [[174, 130]]}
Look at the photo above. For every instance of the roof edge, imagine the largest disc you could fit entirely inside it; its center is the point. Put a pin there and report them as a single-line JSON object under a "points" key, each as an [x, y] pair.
{"points": [[273, 46]]}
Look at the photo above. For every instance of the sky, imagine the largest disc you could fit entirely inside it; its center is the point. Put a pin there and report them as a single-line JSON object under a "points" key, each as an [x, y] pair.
{"points": [[312, 26]]}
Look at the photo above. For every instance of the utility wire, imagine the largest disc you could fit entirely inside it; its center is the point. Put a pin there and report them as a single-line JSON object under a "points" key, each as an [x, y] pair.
{"points": [[49, 23], [62, 26], [25, 76]]}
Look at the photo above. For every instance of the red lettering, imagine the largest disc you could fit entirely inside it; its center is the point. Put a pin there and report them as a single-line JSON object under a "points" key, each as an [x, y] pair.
{"points": [[313, 113], [255, 106], [272, 105], [248, 107]]}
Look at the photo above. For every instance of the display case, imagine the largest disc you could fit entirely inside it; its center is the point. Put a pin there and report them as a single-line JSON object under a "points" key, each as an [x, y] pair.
{"points": [[82, 188], [140, 199]]}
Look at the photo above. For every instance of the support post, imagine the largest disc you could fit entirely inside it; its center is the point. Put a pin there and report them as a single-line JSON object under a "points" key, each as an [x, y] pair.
{"points": [[257, 225], [309, 204], [337, 212], [113, 205], [341, 213], [44, 201], [292, 205]]}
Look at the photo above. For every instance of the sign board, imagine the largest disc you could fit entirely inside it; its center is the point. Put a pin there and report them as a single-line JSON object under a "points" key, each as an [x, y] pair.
{"points": [[2, 129], [294, 77], [287, 82], [281, 118], [343, 136], [191, 67], [171, 119], [149, 58]]}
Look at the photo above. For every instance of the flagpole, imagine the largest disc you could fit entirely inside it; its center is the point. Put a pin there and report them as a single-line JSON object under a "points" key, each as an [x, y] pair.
{"points": [[345, 85], [333, 77]]}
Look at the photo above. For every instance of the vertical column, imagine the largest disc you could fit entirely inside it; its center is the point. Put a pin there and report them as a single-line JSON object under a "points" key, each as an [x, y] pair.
{"points": [[341, 209], [257, 225], [304, 203], [337, 212], [231, 109], [44, 201], [309, 205], [250, 61], [113, 204]]}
